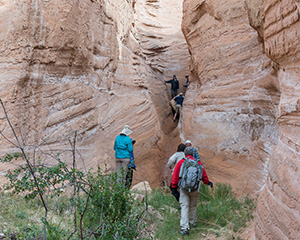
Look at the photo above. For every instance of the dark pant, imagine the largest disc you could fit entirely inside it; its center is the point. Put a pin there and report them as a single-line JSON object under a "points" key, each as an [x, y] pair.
{"points": [[175, 193], [174, 92], [129, 177]]}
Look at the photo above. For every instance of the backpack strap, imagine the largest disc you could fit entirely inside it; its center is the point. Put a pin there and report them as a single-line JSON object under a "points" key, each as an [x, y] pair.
{"points": [[182, 167], [200, 176]]}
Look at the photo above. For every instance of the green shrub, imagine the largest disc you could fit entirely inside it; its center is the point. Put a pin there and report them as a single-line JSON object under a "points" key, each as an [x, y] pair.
{"points": [[112, 208]]}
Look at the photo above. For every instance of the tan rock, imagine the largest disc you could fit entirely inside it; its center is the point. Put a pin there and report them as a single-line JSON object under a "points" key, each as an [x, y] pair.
{"points": [[91, 67], [230, 109], [143, 187], [278, 206]]}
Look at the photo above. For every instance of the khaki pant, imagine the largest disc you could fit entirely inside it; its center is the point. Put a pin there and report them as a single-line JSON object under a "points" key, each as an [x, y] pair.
{"points": [[178, 108], [188, 203], [122, 163]]}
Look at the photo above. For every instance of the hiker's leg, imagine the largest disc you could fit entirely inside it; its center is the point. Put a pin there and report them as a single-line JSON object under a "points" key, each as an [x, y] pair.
{"points": [[173, 92], [174, 116], [118, 165], [122, 163], [129, 176], [184, 204], [193, 208], [176, 109]]}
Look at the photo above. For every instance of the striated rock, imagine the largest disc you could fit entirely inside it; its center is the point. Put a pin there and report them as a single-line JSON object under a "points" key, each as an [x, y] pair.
{"points": [[230, 108], [90, 67], [278, 206]]}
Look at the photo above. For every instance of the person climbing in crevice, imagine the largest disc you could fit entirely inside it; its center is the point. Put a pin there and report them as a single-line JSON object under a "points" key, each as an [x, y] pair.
{"points": [[173, 160], [187, 81], [174, 86], [131, 167], [179, 100]]}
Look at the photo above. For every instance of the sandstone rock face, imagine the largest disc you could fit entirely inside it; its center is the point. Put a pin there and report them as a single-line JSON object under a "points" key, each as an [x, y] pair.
{"points": [[278, 206], [230, 107], [91, 66]]}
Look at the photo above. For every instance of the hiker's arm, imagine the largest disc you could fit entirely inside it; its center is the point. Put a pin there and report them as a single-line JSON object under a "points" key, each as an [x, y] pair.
{"points": [[168, 81], [205, 177], [171, 161], [175, 176]]}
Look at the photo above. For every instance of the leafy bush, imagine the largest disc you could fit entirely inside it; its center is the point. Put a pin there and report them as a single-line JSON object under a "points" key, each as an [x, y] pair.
{"points": [[112, 209]]}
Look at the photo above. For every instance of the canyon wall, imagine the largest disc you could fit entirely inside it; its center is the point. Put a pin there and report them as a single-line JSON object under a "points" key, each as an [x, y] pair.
{"points": [[278, 210], [93, 66], [242, 109], [90, 66], [230, 108]]}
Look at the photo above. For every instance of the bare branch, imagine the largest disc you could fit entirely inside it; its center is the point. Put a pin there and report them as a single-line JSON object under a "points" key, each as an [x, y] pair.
{"points": [[75, 180], [30, 167], [8, 139], [82, 215]]}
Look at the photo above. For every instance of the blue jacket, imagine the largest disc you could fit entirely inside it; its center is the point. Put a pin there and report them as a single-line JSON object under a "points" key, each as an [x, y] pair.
{"points": [[196, 154], [123, 146], [179, 100]]}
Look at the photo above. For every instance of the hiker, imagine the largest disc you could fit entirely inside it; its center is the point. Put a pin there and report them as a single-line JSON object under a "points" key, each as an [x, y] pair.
{"points": [[172, 162], [196, 155], [174, 85], [123, 149], [179, 100], [187, 81], [187, 175], [131, 167]]}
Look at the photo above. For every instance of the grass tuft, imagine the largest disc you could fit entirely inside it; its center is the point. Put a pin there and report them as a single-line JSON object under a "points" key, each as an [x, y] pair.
{"points": [[219, 212]]}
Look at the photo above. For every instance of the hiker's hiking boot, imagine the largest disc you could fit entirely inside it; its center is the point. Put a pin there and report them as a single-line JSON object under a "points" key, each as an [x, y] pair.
{"points": [[184, 232]]}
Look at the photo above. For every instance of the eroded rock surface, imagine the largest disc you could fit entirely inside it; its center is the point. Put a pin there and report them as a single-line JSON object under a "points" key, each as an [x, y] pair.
{"points": [[230, 107], [91, 67], [278, 206]]}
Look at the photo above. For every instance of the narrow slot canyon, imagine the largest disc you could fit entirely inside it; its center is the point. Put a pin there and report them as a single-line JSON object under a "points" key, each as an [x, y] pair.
{"points": [[93, 66]]}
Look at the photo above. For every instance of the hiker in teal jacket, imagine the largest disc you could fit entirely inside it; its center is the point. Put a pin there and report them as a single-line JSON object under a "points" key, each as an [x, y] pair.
{"points": [[196, 155], [123, 149]]}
